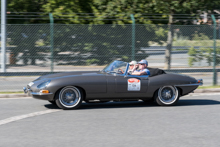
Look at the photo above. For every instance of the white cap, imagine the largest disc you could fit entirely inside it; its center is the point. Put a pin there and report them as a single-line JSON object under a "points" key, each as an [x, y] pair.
{"points": [[133, 63]]}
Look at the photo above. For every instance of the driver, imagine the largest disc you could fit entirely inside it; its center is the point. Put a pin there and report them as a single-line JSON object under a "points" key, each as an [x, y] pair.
{"points": [[142, 65]]}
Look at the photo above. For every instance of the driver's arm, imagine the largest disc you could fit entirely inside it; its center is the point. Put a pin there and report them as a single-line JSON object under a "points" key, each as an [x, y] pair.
{"points": [[121, 71], [139, 73], [144, 72]]}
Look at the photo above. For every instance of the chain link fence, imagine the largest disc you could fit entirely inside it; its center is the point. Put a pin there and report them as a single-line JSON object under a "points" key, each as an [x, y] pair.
{"points": [[44, 48]]}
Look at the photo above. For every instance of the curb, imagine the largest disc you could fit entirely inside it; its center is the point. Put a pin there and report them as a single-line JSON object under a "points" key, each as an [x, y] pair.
{"points": [[197, 91]]}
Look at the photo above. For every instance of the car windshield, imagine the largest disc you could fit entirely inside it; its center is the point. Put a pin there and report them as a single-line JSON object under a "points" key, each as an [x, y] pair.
{"points": [[116, 67]]}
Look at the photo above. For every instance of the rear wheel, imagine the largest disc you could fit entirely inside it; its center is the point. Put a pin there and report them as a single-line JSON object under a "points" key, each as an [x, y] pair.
{"points": [[69, 97], [167, 96]]}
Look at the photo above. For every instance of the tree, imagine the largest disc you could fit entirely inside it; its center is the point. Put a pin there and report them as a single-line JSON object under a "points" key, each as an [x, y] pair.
{"points": [[25, 6], [25, 39], [69, 12], [115, 12], [173, 7], [113, 39]]}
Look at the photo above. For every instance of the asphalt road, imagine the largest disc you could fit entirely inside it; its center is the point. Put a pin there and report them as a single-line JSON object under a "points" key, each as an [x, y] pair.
{"points": [[195, 121]]}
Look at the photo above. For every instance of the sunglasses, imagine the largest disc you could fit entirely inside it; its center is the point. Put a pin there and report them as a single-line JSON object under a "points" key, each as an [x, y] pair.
{"points": [[142, 64], [131, 65]]}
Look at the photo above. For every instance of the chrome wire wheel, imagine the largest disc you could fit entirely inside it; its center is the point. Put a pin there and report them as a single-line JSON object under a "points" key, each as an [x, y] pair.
{"points": [[168, 95], [70, 97]]}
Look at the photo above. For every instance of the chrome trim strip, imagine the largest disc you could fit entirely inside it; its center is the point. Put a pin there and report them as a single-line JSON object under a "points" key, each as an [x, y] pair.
{"points": [[197, 84], [126, 70], [38, 93]]}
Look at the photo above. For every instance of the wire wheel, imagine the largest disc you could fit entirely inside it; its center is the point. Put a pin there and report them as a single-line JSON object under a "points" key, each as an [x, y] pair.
{"points": [[69, 97], [167, 95]]}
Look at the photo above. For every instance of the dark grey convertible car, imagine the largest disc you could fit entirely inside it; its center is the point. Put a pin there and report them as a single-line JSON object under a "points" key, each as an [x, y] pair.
{"points": [[67, 90]]}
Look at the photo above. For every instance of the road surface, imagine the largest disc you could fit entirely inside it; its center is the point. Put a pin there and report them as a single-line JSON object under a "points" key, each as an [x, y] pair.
{"points": [[195, 121]]}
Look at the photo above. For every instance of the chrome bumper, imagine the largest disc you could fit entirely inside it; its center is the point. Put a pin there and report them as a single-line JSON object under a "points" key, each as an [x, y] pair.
{"points": [[39, 95], [26, 90], [29, 92]]}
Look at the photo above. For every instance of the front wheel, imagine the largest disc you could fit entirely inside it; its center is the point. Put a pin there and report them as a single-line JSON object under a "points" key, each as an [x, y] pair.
{"points": [[69, 97], [167, 96]]}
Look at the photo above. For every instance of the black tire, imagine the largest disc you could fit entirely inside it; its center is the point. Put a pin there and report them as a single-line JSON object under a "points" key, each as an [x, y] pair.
{"points": [[69, 97], [148, 101], [167, 96], [53, 102]]}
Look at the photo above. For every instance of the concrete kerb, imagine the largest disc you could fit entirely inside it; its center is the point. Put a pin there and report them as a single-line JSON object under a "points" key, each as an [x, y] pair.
{"points": [[197, 91]]}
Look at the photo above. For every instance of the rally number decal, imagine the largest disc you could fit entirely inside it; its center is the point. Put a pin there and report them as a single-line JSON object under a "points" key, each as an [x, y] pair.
{"points": [[134, 84]]}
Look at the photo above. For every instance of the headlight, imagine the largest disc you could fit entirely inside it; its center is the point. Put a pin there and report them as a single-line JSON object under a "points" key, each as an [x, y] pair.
{"points": [[43, 85], [30, 84]]}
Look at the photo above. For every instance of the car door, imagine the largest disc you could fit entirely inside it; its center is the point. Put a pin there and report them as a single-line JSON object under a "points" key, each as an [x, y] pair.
{"points": [[131, 84]]}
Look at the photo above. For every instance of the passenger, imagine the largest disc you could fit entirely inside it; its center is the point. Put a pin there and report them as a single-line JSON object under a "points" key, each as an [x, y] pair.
{"points": [[142, 65], [131, 65]]}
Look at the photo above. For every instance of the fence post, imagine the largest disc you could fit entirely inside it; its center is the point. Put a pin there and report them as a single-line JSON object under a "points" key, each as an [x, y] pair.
{"points": [[133, 37], [51, 40], [3, 35], [214, 58]]}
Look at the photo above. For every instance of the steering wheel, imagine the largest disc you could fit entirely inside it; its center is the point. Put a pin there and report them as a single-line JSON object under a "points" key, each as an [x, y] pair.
{"points": [[120, 71]]}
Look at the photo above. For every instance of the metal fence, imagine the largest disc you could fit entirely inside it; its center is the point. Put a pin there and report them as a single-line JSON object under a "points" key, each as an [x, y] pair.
{"points": [[38, 49]]}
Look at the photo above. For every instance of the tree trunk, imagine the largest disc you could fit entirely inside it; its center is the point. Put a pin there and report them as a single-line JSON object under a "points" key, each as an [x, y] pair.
{"points": [[169, 43]]}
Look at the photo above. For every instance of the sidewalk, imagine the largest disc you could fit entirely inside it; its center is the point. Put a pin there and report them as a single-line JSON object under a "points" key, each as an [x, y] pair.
{"points": [[197, 91]]}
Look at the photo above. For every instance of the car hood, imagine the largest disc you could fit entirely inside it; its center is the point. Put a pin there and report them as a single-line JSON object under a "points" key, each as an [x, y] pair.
{"points": [[65, 74]]}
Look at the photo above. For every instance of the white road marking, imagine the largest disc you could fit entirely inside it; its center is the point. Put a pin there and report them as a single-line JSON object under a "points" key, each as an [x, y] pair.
{"points": [[19, 117]]}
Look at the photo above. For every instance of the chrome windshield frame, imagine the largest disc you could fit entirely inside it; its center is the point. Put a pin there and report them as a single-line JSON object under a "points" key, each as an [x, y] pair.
{"points": [[115, 73]]}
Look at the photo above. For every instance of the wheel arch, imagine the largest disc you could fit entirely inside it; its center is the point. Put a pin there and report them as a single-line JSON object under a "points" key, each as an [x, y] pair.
{"points": [[156, 91], [180, 91], [80, 88]]}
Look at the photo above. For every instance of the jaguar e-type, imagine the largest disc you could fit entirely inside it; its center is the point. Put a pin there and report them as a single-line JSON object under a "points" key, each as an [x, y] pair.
{"points": [[67, 90]]}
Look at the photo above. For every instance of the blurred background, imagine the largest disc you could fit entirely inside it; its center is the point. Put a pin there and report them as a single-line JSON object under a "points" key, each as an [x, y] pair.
{"points": [[45, 37]]}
